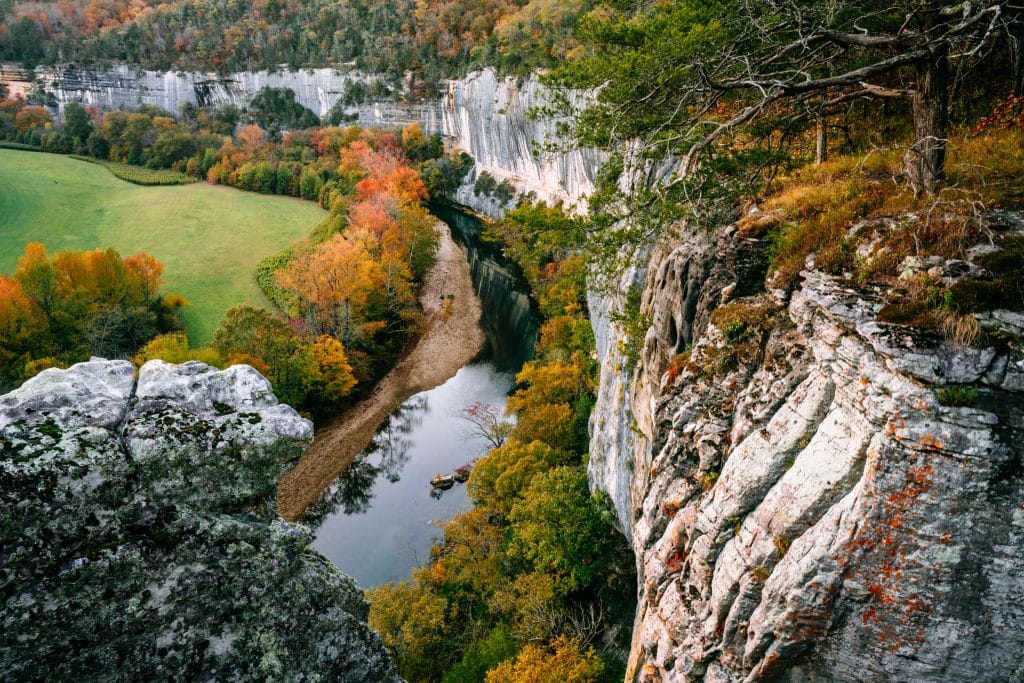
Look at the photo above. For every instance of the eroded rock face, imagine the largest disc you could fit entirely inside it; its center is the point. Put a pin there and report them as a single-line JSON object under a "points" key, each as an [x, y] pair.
{"points": [[491, 118], [124, 86], [802, 504], [138, 537]]}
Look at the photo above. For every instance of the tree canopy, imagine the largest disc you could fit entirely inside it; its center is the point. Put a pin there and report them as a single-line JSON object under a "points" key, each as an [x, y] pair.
{"points": [[703, 97]]}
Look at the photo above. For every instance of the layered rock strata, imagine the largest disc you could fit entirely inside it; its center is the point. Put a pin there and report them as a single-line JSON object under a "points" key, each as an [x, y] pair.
{"points": [[813, 494]]}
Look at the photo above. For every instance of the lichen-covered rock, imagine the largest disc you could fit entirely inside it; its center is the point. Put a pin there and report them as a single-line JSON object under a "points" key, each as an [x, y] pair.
{"points": [[138, 537], [817, 495]]}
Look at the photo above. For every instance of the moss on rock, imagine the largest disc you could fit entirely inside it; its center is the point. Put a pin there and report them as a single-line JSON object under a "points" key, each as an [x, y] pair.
{"points": [[138, 537]]}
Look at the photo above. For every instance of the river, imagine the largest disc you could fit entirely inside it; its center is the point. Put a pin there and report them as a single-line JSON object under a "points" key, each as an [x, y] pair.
{"points": [[380, 518]]}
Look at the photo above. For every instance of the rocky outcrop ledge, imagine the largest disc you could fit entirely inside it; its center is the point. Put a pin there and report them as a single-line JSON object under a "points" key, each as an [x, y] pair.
{"points": [[139, 537]]}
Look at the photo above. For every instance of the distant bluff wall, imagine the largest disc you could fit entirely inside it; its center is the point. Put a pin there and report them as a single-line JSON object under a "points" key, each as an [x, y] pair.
{"points": [[124, 87], [484, 114]]}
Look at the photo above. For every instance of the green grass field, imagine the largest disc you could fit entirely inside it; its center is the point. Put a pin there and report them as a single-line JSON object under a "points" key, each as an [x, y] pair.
{"points": [[209, 238]]}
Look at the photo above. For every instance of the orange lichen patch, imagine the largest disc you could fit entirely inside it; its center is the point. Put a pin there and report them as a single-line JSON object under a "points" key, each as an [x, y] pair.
{"points": [[898, 580], [670, 507], [649, 674], [931, 442], [675, 562], [895, 423]]}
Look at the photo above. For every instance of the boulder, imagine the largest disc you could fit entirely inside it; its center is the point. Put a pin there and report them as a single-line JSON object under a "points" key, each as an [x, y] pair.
{"points": [[139, 539]]}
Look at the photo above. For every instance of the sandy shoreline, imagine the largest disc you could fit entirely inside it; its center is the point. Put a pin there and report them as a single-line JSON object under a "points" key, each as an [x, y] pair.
{"points": [[449, 342]]}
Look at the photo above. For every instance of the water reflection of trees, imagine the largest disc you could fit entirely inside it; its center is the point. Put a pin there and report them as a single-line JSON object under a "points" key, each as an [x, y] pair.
{"points": [[387, 455]]}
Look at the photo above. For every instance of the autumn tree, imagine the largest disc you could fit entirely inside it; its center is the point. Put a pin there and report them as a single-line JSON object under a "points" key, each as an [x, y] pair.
{"points": [[31, 121], [247, 332], [22, 330], [413, 625], [500, 478], [251, 136], [336, 380], [334, 284], [78, 304], [561, 529], [564, 661]]}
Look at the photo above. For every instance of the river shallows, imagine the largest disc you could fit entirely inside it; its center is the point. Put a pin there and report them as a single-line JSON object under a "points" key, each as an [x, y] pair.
{"points": [[379, 518]]}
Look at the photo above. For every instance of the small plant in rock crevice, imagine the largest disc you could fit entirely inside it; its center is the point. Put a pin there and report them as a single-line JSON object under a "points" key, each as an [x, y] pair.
{"points": [[959, 396]]}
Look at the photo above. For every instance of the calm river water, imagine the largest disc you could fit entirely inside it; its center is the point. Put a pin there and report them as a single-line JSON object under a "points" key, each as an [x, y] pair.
{"points": [[379, 519]]}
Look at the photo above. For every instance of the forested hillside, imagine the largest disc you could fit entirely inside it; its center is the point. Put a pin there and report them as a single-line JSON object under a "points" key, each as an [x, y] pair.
{"points": [[429, 37]]}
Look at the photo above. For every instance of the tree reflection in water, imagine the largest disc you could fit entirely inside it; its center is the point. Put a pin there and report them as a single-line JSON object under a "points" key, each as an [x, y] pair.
{"points": [[387, 455]]}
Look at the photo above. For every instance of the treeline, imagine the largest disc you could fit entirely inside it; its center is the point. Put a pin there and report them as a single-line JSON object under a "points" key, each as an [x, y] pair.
{"points": [[431, 38], [532, 583], [214, 145], [59, 310]]}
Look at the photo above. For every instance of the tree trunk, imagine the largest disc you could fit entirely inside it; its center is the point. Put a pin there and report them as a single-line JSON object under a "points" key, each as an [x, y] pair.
{"points": [[930, 101], [1018, 66], [821, 150], [1016, 40]]}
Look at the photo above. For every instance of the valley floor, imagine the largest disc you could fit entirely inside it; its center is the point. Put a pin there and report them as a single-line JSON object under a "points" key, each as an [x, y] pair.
{"points": [[451, 338], [208, 237]]}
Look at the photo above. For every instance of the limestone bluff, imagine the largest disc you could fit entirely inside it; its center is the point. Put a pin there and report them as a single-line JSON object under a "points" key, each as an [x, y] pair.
{"points": [[139, 537], [819, 506], [486, 115]]}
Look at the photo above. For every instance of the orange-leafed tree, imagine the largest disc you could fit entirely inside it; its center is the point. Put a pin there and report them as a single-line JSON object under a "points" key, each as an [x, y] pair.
{"points": [[251, 136], [336, 379], [32, 118], [76, 304], [335, 283], [22, 329], [564, 660]]}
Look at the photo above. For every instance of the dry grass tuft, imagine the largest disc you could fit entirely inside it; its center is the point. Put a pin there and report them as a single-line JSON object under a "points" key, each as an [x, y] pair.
{"points": [[962, 330], [812, 210]]}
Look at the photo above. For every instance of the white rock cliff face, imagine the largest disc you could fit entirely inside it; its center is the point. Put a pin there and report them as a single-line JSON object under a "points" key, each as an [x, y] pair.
{"points": [[801, 503], [491, 118], [126, 87]]}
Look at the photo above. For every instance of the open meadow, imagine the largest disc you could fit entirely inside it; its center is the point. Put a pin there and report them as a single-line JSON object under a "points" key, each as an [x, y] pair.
{"points": [[208, 237]]}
